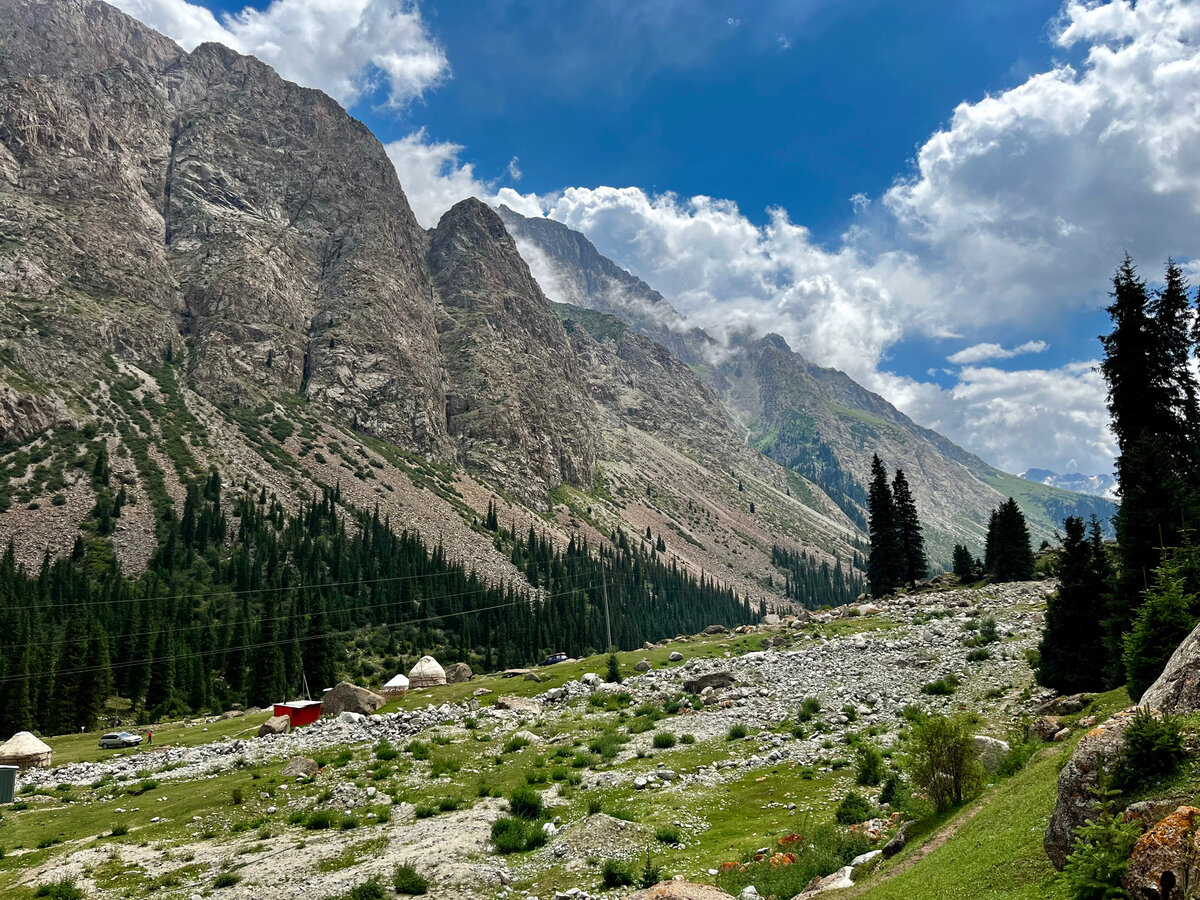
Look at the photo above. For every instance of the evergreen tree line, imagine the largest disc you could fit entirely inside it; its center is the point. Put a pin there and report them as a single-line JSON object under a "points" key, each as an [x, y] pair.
{"points": [[1118, 624], [261, 605], [814, 584], [897, 554]]}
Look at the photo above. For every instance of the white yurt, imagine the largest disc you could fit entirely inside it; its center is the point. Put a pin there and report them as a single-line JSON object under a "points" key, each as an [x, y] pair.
{"points": [[426, 673], [397, 687], [25, 751]]}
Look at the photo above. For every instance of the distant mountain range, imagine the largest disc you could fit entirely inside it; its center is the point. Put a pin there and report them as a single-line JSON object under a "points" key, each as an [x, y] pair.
{"points": [[1095, 485], [817, 422]]}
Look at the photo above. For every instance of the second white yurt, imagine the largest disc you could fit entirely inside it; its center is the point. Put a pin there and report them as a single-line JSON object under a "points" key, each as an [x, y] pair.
{"points": [[426, 673]]}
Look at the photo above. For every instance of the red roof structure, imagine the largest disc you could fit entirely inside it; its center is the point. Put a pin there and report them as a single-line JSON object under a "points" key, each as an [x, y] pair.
{"points": [[301, 712]]}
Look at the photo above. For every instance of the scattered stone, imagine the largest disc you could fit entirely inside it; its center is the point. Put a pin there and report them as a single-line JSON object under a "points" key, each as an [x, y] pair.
{"points": [[1065, 706], [275, 725], [681, 890], [838, 880], [591, 679], [533, 676], [1043, 728], [675, 656], [482, 692], [749, 892], [351, 718], [348, 697], [643, 665]]}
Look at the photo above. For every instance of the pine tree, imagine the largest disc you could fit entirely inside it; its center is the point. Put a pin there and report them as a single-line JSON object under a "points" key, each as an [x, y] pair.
{"points": [[1009, 556], [886, 565], [1072, 647], [966, 566], [916, 565], [1151, 399]]}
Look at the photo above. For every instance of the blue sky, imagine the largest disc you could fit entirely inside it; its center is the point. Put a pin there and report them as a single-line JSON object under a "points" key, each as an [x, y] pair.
{"points": [[929, 195]]}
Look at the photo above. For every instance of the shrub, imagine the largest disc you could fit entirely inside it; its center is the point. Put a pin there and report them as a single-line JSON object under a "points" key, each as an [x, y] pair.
{"points": [[372, 889], [236, 797], [736, 732], [419, 750], [616, 873], [516, 835], [853, 809], [594, 807], [348, 823], [943, 761], [944, 686], [1099, 859], [891, 789], [515, 744], [425, 811], [525, 803], [978, 655], [663, 740], [385, 752], [407, 880], [319, 820], [651, 874], [870, 765], [62, 889], [821, 852], [613, 674], [687, 739], [808, 708], [607, 745], [1152, 746], [226, 879], [668, 834], [448, 804], [119, 830]]}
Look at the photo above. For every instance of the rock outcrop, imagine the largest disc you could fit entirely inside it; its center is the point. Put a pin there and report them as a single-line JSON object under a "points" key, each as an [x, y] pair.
{"points": [[1166, 858], [1075, 803], [275, 725], [1177, 689]]}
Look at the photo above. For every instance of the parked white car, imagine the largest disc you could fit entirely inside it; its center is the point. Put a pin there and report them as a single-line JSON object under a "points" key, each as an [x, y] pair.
{"points": [[119, 740]]}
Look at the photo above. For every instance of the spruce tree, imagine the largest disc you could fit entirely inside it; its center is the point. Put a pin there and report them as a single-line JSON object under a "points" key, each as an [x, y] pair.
{"points": [[1072, 645], [1009, 556], [908, 523], [966, 567], [886, 565], [1151, 399]]}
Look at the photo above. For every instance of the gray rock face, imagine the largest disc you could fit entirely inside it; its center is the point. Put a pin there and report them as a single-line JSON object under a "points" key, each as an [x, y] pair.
{"points": [[991, 751], [1177, 689], [517, 402], [348, 697], [1075, 804], [300, 767], [715, 680], [459, 672]]}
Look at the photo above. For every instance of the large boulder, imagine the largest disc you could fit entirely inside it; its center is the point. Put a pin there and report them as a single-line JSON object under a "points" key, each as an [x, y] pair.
{"points": [[1177, 689], [275, 725], [1043, 728], [458, 673], [348, 697], [519, 704], [1166, 858], [715, 680], [300, 767], [428, 672], [643, 665], [715, 629], [991, 751], [1075, 803]]}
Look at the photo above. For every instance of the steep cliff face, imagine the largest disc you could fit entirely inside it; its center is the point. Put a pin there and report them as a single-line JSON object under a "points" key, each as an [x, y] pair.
{"points": [[817, 422], [516, 401]]}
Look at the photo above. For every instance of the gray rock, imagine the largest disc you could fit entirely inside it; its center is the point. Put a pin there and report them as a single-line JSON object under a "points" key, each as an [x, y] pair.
{"points": [[275, 725], [519, 704], [714, 680], [300, 767], [991, 751], [459, 672], [1075, 803], [675, 656], [643, 665], [348, 697], [351, 718], [1177, 689]]}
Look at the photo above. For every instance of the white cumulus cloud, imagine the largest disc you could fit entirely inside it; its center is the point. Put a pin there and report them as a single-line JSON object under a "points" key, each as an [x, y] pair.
{"points": [[978, 353], [348, 48]]}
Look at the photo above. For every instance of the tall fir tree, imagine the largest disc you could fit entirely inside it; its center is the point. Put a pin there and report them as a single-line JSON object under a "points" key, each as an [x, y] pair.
{"points": [[1152, 403], [886, 565], [1072, 647], [1008, 555], [908, 523]]}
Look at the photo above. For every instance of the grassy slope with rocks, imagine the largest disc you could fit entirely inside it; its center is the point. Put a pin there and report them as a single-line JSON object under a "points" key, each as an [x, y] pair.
{"points": [[208, 801]]}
